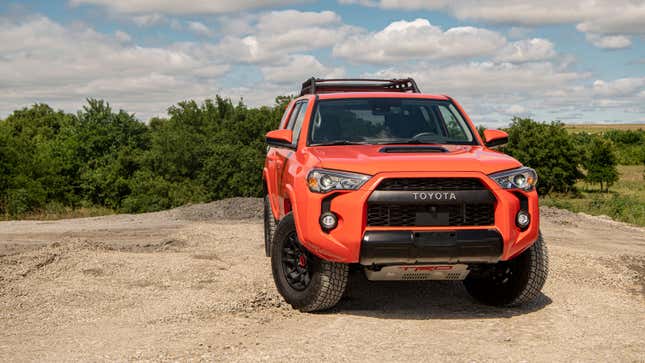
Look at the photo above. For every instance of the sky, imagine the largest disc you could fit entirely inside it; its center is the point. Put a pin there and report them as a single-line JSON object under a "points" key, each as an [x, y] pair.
{"points": [[577, 61]]}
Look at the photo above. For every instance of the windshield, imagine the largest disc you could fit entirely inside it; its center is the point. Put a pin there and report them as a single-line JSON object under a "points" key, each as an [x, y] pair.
{"points": [[388, 120]]}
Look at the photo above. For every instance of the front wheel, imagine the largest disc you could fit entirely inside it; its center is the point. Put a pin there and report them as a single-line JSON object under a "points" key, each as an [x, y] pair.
{"points": [[306, 281], [514, 282]]}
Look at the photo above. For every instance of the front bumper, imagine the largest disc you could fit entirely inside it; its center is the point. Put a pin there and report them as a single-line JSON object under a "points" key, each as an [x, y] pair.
{"points": [[345, 243], [410, 247]]}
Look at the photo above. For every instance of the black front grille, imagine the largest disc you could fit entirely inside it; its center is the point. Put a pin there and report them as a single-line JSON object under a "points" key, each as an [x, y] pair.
{"points": [[393, 215], [427, 213], [436, 184]]}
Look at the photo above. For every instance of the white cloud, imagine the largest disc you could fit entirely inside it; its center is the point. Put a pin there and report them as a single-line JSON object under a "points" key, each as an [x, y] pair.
{"points": [[183, 7], [517, 32], [516, 110], [405, 40], [491, 92], [609, 41], [298, 68], [487, 79], [282, 21], [619, 87], [149, 19], [621, 17], [199, 28], [43, 61], [236, 25], [593, 16], [527, 50], [275, 35], [122, 36]]}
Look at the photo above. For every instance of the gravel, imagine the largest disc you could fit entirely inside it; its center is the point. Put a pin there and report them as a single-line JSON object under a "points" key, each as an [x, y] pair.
{"points": [[193, 284]]}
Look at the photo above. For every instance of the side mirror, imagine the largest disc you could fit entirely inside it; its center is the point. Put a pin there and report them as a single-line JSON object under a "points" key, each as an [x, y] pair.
{"points": [[280, 138], [495, 138]]}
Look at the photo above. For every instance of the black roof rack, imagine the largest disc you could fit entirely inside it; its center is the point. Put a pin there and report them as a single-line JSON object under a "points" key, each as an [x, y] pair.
{"points": [[317, 85]]}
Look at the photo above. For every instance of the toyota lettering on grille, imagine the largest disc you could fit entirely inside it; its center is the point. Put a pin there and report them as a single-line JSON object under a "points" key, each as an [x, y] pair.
{"points": [[434, 196]]}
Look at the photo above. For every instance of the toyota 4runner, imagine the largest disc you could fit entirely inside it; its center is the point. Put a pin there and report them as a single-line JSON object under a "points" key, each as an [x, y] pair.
{"points": [[377, 175]]}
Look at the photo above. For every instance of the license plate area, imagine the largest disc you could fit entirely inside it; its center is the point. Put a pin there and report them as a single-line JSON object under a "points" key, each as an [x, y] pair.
{"points": [[427, 219], [455, 272]]}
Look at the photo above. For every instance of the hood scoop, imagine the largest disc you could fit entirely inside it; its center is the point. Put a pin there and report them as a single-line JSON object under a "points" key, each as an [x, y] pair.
{"points": [[413, 149]]}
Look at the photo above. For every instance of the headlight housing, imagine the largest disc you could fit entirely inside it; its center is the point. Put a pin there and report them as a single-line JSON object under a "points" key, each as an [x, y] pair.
{"points": [[323, 181], [521, 178]]}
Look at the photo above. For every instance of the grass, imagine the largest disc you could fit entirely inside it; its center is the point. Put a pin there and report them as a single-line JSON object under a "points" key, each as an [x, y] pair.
{"points": [[625, 201], [598, 128], [55, 212]]}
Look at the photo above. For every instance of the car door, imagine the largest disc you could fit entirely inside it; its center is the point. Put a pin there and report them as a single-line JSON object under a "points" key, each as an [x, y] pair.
{"points": [[272, 156], [276, 159], [285, 155]]}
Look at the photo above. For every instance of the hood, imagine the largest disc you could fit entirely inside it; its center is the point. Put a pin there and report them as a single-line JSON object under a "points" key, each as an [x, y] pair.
{"points": [[371, 159]]}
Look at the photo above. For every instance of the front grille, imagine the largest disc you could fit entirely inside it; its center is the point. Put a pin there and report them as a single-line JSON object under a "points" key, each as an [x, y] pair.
{"points": [[427, 213], [438, 184], [393, 215]]}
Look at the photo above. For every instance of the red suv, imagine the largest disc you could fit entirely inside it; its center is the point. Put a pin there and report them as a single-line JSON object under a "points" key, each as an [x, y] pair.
{"points": [[375, 174]]}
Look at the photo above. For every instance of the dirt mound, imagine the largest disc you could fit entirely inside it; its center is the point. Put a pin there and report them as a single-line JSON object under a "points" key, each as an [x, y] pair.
{"points": [[225, 209]]}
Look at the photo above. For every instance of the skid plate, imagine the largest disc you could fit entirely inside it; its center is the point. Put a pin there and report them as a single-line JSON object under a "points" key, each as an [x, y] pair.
{"points": [[418, 272]]}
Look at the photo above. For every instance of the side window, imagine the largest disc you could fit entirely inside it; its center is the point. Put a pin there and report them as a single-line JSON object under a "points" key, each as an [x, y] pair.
{"points": [[455, 125], [293, 116], [297, 126], [284, 117]]}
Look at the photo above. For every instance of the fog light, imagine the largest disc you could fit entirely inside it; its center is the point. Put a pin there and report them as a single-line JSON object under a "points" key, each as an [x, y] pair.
{"points": [[523, 219], [328, 220]]}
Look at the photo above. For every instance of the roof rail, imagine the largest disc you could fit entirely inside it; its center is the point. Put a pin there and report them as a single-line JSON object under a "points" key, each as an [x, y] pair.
{"points": [[318, 85]]}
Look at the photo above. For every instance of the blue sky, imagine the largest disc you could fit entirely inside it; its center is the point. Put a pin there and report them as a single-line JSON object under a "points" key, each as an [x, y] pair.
{"points": [[583, 62]]}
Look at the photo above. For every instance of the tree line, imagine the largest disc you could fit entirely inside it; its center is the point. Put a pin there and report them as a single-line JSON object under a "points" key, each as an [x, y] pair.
{"points": [[561, 159], [100, 157]]}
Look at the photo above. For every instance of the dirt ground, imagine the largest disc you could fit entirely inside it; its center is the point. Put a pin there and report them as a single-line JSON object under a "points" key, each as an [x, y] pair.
{"points": [[186, 284]]}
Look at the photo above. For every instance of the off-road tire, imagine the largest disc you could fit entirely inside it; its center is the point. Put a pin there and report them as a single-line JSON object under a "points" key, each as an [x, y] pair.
{"points": [[328, 280], [269, 226], [515, 282]]}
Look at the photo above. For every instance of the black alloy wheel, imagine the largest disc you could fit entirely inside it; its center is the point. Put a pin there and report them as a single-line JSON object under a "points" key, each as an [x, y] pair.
{"points": [[295, 263]]}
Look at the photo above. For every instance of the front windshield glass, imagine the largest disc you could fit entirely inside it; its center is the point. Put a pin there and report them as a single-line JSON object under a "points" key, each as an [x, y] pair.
{"points": [[388, 121]]}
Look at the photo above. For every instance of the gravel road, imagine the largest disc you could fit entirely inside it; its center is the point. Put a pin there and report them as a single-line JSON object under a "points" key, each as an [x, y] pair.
{"points": [[187, 284]]}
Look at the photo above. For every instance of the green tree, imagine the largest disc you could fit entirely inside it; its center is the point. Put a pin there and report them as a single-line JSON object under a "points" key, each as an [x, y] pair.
{"points": [[600, 163], [109, 146], [36, 167], [549, 149], [102, 157]]}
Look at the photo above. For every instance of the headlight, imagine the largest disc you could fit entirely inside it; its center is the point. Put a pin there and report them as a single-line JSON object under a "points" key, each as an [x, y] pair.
{"points": [[322, 181], [522, 178]]}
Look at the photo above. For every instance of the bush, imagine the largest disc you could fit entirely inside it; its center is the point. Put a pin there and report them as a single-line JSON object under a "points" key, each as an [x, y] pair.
{"points": [[104, 158], [600, 163], [547, 148], [629, 145]]}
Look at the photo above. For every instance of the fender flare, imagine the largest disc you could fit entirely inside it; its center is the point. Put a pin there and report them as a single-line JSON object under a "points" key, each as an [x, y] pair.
{"points": [[269, 189], [294, 208]]}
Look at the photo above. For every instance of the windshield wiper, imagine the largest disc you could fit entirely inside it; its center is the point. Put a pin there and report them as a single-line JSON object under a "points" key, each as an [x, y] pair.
{"points": [[341, 142], [410, 142]]}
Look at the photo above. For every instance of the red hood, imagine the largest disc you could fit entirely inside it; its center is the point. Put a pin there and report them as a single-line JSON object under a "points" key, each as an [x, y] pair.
{"points": [[368, 159]]}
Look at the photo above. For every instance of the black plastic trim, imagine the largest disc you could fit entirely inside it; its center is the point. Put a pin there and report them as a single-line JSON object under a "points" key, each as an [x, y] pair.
{"points": [[413, 149], [318, 85], [408, 247], [436, 197], [524, 205], [279, 143], [325, 207], [497, 142]]}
